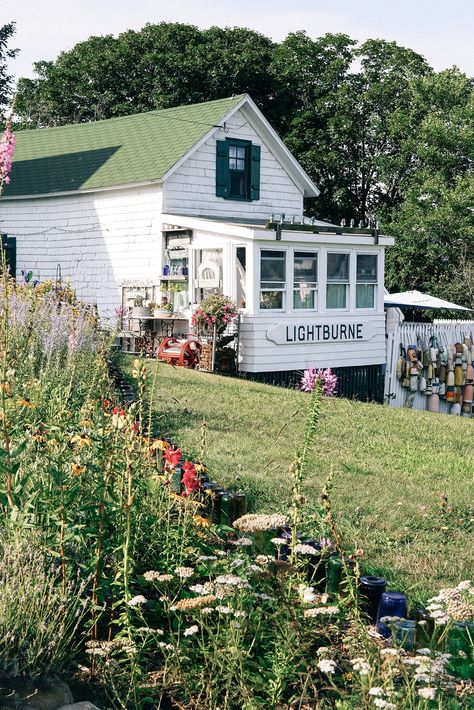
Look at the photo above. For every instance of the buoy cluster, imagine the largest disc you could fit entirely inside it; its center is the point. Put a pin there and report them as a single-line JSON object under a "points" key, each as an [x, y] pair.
{"points": [[439, 372]]}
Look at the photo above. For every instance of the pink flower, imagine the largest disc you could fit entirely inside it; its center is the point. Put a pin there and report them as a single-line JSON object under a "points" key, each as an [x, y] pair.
{"points": [[7, 147], [326, 377]]}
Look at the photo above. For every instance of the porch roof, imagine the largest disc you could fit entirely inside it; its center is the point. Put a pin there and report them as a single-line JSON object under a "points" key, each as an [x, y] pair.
{"points": [[264, 230]]}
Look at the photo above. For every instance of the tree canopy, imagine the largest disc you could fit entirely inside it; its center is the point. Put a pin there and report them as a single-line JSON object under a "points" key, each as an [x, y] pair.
{"points": [[381, 133], [6, 80]]}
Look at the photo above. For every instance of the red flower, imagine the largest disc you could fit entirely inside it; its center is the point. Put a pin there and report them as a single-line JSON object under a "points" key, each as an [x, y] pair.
{"points": [[190, 478], [173, 456]]}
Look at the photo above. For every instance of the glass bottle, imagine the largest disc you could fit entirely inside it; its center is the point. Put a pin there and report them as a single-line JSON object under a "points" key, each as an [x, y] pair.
{"points": [[371, 589], [392, 605]]}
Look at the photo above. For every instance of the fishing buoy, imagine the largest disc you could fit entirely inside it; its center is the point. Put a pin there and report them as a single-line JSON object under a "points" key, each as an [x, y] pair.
{"points": [[400, 363], [458, 375], [435, 385], [450, 376], [449, 394], [429, 372], [422, 384], [455, 410], [442, 389], [469, 375], [465, 351], [458, 395], [432, 402], [413, 383], [442, 373], [468, 394]]}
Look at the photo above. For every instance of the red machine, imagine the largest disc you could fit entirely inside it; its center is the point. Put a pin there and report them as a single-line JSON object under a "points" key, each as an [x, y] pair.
{"points": [[183, 351]]}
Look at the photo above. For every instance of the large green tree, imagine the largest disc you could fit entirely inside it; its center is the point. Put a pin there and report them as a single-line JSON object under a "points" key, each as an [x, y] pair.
{"points": [[434, 220], [162, 65], [6, 80]]}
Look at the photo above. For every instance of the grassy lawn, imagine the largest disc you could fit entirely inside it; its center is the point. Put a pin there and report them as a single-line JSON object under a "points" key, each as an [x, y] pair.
{"points": [[389, 467]]}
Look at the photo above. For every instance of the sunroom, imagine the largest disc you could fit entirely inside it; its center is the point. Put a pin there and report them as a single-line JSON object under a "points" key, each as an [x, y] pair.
{"points": [[310, 294]]}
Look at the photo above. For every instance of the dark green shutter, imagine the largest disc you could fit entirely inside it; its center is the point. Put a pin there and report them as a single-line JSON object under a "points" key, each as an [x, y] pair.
{"points": [[222, 168], [255, 173], [9, 245]]}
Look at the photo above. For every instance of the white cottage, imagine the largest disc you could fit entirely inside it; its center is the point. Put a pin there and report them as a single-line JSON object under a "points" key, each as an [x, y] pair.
{"points": [[205, 198]]}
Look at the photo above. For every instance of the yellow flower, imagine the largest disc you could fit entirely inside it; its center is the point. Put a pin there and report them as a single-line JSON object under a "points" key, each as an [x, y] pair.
{"points": [[200, 468], [26, 403], [77, 469], [202, 522], [81, 440], [159, 445]]}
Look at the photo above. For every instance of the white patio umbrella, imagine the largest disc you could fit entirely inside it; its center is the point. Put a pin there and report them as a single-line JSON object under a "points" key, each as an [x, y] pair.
{"points": [[416, 299]]}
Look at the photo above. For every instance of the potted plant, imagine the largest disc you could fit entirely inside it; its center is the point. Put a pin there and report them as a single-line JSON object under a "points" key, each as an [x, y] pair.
{"points": [[164, 309], [214, 314], [139, 310]]}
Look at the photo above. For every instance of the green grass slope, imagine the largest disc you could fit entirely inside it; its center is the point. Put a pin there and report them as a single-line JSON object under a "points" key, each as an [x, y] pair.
{"points": [[390, 467]]}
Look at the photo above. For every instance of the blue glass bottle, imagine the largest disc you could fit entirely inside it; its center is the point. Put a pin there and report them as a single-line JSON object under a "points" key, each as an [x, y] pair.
{"points": [[392, 604]]}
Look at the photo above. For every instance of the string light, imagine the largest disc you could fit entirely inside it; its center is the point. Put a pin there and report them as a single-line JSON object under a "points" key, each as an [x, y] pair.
{"points": [[63, 230]]}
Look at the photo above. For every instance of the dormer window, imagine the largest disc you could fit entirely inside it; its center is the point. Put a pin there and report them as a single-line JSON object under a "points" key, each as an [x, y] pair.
{"points": [[237, 170]]}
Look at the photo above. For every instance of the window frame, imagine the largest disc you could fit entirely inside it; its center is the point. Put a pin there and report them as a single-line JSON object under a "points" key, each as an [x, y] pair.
{"points": [[282, 290], [315, 289], [247, 146], [347, 284], [375, 283]]}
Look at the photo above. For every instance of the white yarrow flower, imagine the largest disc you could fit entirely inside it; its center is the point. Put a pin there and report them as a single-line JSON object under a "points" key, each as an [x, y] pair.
{"points": [[326, 666], [137, 601], [376, 691], [191, 630], [184, 572], [427, 693]]}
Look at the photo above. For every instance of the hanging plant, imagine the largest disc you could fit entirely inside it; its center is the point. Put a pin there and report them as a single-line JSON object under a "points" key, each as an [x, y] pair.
{"points": [[214, 311]]}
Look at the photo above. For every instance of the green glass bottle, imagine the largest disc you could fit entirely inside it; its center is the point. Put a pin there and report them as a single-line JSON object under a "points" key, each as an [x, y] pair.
{"points": [[333, 575]]}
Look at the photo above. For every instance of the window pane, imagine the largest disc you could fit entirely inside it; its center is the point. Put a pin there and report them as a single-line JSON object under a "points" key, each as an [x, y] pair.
{"points": [[272, 266], [271, 299], [240, 164], [240, 152], [338, 267], [232, 151], [336, 296], [237, 184], [304, 298], [306, 267], [232, 163], [367, 268], [365, 296]]}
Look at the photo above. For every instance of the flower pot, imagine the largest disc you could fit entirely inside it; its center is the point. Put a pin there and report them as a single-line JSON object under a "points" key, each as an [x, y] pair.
{"points": [[141, 312], [161, 313]]}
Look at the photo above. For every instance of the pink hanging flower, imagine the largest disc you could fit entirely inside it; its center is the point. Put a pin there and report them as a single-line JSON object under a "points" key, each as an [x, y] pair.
{"points": [[7, 148], [326, 377]]}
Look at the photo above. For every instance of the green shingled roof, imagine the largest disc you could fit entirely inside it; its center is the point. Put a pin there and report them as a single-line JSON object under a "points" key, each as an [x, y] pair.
{"points": [[117, 151]]}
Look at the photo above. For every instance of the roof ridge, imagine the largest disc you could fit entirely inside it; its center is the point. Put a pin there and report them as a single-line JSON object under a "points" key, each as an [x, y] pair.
{"points": [[154, 112]]}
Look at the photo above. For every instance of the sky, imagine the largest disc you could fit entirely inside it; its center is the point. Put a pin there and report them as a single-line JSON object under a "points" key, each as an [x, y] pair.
{"points": [[439, 30]]}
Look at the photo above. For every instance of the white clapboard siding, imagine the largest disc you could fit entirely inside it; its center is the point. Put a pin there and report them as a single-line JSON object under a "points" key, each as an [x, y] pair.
{"points": [[191, 190], [448, 332], [258, 354], [98, 239]]}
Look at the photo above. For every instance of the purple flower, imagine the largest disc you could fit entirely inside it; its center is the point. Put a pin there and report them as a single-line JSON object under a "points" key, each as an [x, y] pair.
{"points": [[326, 377]]}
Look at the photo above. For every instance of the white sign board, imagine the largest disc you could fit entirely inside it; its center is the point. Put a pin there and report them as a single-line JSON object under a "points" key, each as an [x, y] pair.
{"points": [[321, 332]]}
